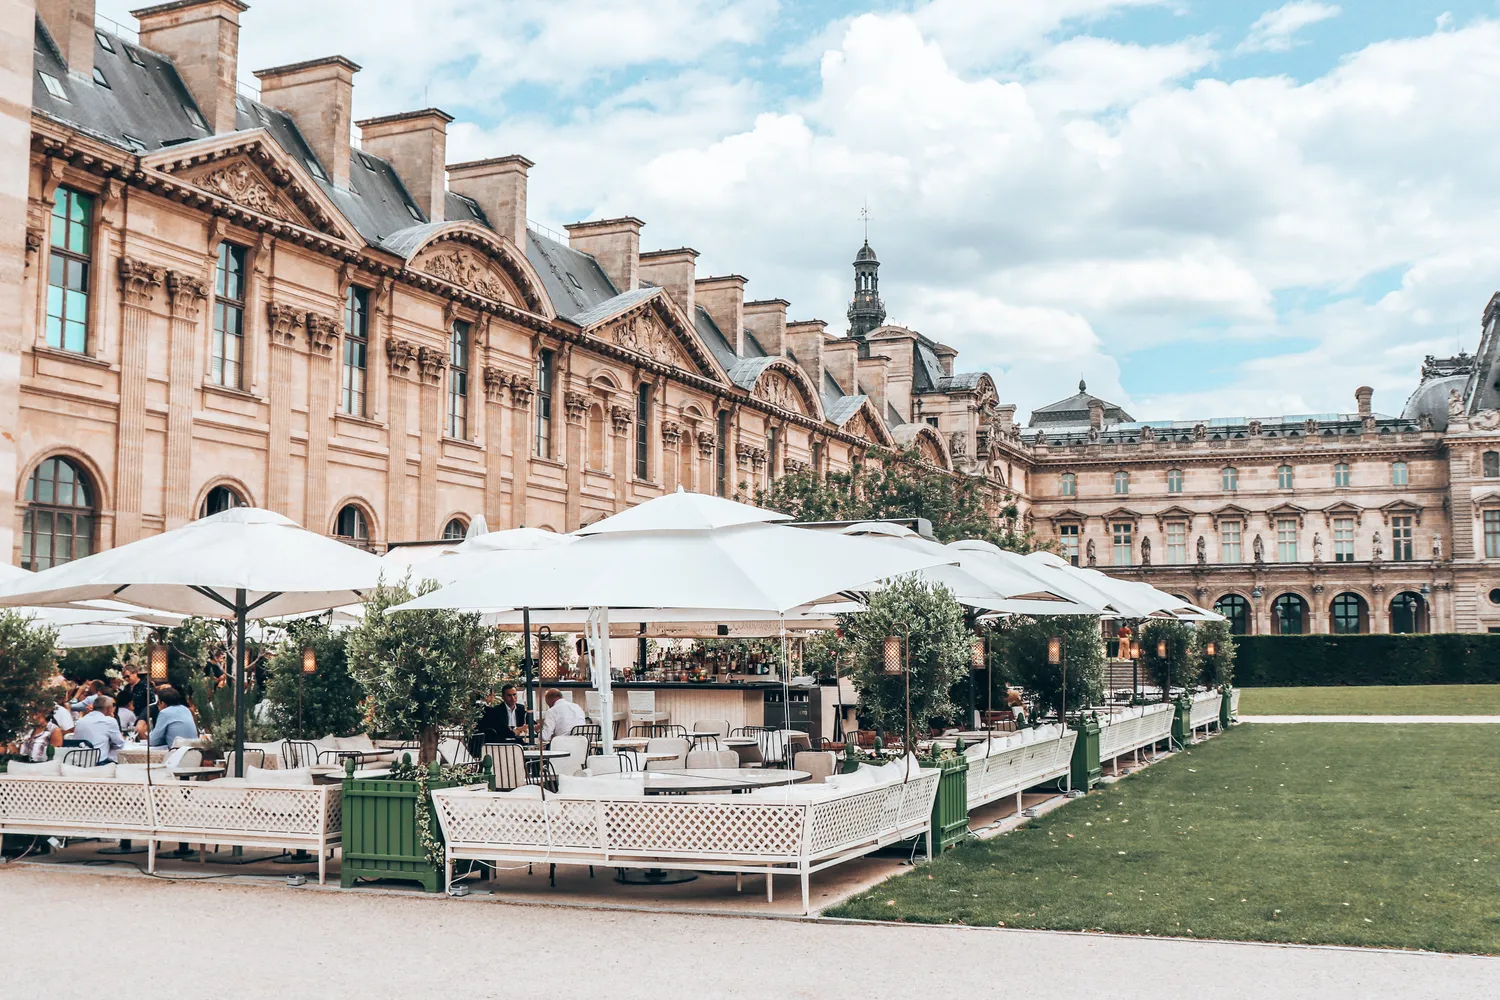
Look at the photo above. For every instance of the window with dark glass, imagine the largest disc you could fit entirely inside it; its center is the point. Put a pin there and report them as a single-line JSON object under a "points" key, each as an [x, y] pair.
{"points": [[356, 349], [351, 526], [1348, 614], [1343, 539], [1492, 534], [229, 317], [58, 525], [1069, 484], [544, 378], [68, 267], [1401, 539], [458, 381], [1492, 464], [1237, 610], [1122, 482], [1341, 474], [721, 455], [1068, 535], [1398, 474], [642, 431], [1288, 614], [1284, 477], [220, 499], [1230, 477], [1174, 480], [1408, 613], [1121, 536], [455, 530]]}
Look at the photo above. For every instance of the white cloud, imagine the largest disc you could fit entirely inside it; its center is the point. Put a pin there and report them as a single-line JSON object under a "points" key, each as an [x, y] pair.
{"points": [[1275, 30]]}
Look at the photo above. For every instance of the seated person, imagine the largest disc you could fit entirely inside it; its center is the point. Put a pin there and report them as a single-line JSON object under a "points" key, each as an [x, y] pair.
{"points": [[500, 723], [174, 721], [561, 716], [100, 729]]}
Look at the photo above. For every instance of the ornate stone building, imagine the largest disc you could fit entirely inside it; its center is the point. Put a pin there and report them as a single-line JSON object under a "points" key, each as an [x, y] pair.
{"points": [[229, 300]]}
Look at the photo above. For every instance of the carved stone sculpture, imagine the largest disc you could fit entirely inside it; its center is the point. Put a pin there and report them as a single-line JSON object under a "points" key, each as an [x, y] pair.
{"points": [[671, 433], [575, 405], [495, 382], [399, 355], [1437, 547], [139, 280], [432, 362], [1376, 549], [1202, 551], [283, 322], [1090, 554], [1259, 548], [1145, 551], [322, 333], [707, 442], [188, 292], [1455, 404], [521, 388], [621, 417], [1317, 547]]}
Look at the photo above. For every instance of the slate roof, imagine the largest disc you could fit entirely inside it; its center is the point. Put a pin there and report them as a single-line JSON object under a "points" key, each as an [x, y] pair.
{"points": [[613, 306], [841, 408], [574, 281], [1075, 409], [747, 370]]}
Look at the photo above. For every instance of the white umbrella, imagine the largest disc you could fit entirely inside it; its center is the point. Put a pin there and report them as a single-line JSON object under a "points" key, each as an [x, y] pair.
{"points": [[240, 564], [985, 558]]}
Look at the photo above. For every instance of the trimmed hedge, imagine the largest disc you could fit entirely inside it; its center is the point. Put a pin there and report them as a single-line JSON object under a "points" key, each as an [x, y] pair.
{"points": [[1330, 660]]}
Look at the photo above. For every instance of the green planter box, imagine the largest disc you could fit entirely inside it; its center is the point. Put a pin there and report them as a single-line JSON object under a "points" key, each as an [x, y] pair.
{"points": [[380, 832], [950, 810], [1181, 734], [1224, 709], [1086, 767]]}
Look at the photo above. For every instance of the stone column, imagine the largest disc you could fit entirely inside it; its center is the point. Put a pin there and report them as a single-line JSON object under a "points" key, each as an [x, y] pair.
{"points": [[430, 362], [322, 342], [188, 291], [704, 481], [138, 284], [18, 247], [671, 442], [576, 406], [399, 357], [1380, 610], [282, 324], [621, 418], [496, 382], [521, 389]]}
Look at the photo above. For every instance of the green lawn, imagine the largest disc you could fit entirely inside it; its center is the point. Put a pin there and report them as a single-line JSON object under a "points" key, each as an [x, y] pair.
{"points": [[1332, 833], [1423, 699]]}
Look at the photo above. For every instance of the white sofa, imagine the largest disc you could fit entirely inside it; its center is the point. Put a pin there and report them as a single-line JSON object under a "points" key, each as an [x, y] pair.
{"points": [[1204, 711], [43, 804], [1001, 767], [1134, 728], [796, 830]]}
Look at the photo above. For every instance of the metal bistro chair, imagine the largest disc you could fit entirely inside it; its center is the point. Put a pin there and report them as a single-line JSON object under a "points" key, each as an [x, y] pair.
{"points": [[592, 731], [80, 756], [659, 730], [705, 742], [453, 751], [541, 772], [509, 762], [298, 753], [612, 763]]}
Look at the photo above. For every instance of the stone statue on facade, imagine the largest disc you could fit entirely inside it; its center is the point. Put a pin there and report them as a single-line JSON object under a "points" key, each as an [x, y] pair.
{"points": [[1317, 547], [1093, 560], [1145, 551], [1455, 404], [1259, 548], [1437, 548], [1202, 551], [1375, 546]]}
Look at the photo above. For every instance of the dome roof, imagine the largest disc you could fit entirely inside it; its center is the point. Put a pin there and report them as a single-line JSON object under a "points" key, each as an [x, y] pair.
{"points": [[866, 252], [1431, 399]]}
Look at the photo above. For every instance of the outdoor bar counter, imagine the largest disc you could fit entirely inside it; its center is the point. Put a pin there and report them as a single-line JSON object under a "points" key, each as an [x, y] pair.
{"points": [[742, 703]]}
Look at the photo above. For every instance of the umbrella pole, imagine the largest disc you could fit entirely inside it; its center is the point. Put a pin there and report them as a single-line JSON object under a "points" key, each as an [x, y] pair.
{"points": [[239, 683], [526, 667]]}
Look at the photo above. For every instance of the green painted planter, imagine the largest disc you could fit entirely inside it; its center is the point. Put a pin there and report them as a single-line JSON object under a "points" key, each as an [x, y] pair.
{"points": [[950, 810], [1181, 734], [1224, 710], [380, 832], [1086, 767]]}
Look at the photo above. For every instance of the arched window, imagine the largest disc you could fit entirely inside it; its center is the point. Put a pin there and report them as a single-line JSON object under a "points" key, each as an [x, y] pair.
{"points": [[1350, 615], [1492, 464], [58, 526], [1284, 477], [1408, 613], [1289, 615], [1341, 474], [1122, 482], [220, 499], [1237, 610], [1069, 484], [643, 431], [454, 530], [1230, 478], [1398, 474], [351, 526], [1174, 480]]}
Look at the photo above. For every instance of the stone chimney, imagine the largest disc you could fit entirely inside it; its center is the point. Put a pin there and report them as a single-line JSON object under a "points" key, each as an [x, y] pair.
{"points": [[1362, 399], [674, 270], [202, 38], [1096, 414], [615, 244], [872, 373], [766, 318], [71, 25], [945, 356], [805, 339], [499, 186], [1005, 417], [840, 358], [416, 145], [724, 300], [319, 95]]}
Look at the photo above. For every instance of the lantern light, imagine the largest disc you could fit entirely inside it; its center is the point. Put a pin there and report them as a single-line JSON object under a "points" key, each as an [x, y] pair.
{"points": [[1161, 649], [309, 660], [1054, 650], [1211, 649], [892, 650], [976, 653], [550, 649], [156, 654]]}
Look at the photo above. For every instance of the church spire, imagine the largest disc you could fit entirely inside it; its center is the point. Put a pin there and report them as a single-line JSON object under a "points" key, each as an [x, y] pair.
{"points": [[866, 311]]}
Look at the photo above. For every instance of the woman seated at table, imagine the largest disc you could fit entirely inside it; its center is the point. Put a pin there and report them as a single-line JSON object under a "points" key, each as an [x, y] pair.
{"points": [[174, 721]]}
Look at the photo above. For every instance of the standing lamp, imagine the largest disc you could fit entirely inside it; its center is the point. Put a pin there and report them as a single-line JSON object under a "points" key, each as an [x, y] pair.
{"points": [[1057, 656], [156, 673], [1161, 654], [309, 666], [549, 654], [977, 662], [897, 650]]}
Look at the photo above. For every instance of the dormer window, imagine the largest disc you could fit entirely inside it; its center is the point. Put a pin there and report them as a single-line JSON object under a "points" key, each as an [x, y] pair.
{"points": [[411, 210], [195, 117], [315, 168], [54, 85], [104, 42], [101, 79], [134, 56]]}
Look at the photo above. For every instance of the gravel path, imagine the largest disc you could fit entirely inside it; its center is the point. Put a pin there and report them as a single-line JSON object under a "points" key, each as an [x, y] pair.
{"points": [[1389, 719], [227, 941]]}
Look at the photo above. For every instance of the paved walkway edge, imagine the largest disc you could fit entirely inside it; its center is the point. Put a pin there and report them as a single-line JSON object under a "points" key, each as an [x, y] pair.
{"points": [[1446, 720]]}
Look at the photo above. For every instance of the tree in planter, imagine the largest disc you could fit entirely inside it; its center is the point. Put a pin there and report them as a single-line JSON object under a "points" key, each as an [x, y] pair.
{"points": [[939, 652], [1025, 643], [1216, 670], [1180, 666], [329, 698], [26, 664], [421, 670]]}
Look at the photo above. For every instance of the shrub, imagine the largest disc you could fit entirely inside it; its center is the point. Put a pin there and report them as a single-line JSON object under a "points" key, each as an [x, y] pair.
{"points": [[1025, 653], [1180, 667], [1217, 670], [325, 701], [26, 665], [1322, 660]]}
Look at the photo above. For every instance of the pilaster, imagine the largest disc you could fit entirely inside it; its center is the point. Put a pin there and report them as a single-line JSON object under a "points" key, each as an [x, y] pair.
{"points": [[400, 356], [576, 405], [322, 341], [521, 389], [188, 292], [621, 418], [671, 454], [430, 362], [139, 282], [282, 326], [496, 384]]}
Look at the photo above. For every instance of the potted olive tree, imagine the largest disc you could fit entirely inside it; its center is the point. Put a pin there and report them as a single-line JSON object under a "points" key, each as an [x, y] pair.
{"points": [[420, 671]]}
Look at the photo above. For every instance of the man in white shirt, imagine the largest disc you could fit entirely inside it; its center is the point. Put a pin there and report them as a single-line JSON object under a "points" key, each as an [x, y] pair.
{"points": [[561, 716], [100, 729]]}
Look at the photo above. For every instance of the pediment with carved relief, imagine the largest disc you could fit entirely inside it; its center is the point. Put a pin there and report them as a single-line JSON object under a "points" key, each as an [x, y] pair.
{"points": [[467, 268], [242, 182], [644, 332]]}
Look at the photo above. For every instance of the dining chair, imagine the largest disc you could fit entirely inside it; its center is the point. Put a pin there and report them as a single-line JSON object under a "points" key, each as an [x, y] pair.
{"points": [[678, 746], [712, 759], [453, 751], [298, 753], [591, 731], [643, 708], [719, 727], [540, 772], [577, 747], [819, 763], [509, 763], [705, 742], [80, 756]]}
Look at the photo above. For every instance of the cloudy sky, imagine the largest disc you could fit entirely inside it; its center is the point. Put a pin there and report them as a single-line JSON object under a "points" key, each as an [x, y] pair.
{"points": [[1204, 207]]}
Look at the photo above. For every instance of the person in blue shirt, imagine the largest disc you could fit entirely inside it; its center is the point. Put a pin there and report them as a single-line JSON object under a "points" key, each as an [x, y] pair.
{"points": [[174, 721]]}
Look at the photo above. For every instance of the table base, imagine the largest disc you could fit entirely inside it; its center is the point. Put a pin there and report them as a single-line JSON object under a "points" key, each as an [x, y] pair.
{"points": [[125, 847], [298, 857], [653, 876]]}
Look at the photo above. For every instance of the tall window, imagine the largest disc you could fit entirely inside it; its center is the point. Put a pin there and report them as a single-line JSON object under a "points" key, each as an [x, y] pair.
{"points": [[1491, 464], [455, 530], [1230, 478], [1408, 613], [58, 525], [229, 317], [1284, 477], [721, 455], [1401, 547], [1286, 539], [544, 379], [1068, 535], [1341, 474], [1348, 614], [356, 349], [220, 499], [773, 438], [1122, 482], [1174, 480], [1069, 484], [1343, 539], [352, 527], [1398, 474], [1121, 533], [68, 270], [643, 432], [1289, 615], [458, 381], [1176, 542], [1492, 534], [1237, 610], [817, 458], [1231, 539]]}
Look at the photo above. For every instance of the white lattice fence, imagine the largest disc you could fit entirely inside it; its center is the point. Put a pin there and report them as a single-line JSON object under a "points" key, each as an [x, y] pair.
{"points": [[1151, 726], [1234, 703], [73, 806], [1205, 710], [1011, 771], [852, 819], [207, 808], [469, 817], [704, 828]]}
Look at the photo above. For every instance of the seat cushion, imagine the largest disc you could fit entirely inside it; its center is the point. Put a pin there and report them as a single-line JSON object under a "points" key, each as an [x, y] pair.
{"points": [[278, 776], [524, 792], [41, 769], [137, 772], [610, 786], [75, 771], [360, 742]]}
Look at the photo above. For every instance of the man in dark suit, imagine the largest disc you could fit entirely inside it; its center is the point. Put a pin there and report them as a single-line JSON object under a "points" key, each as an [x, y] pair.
{"points": [[501, 722]]}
